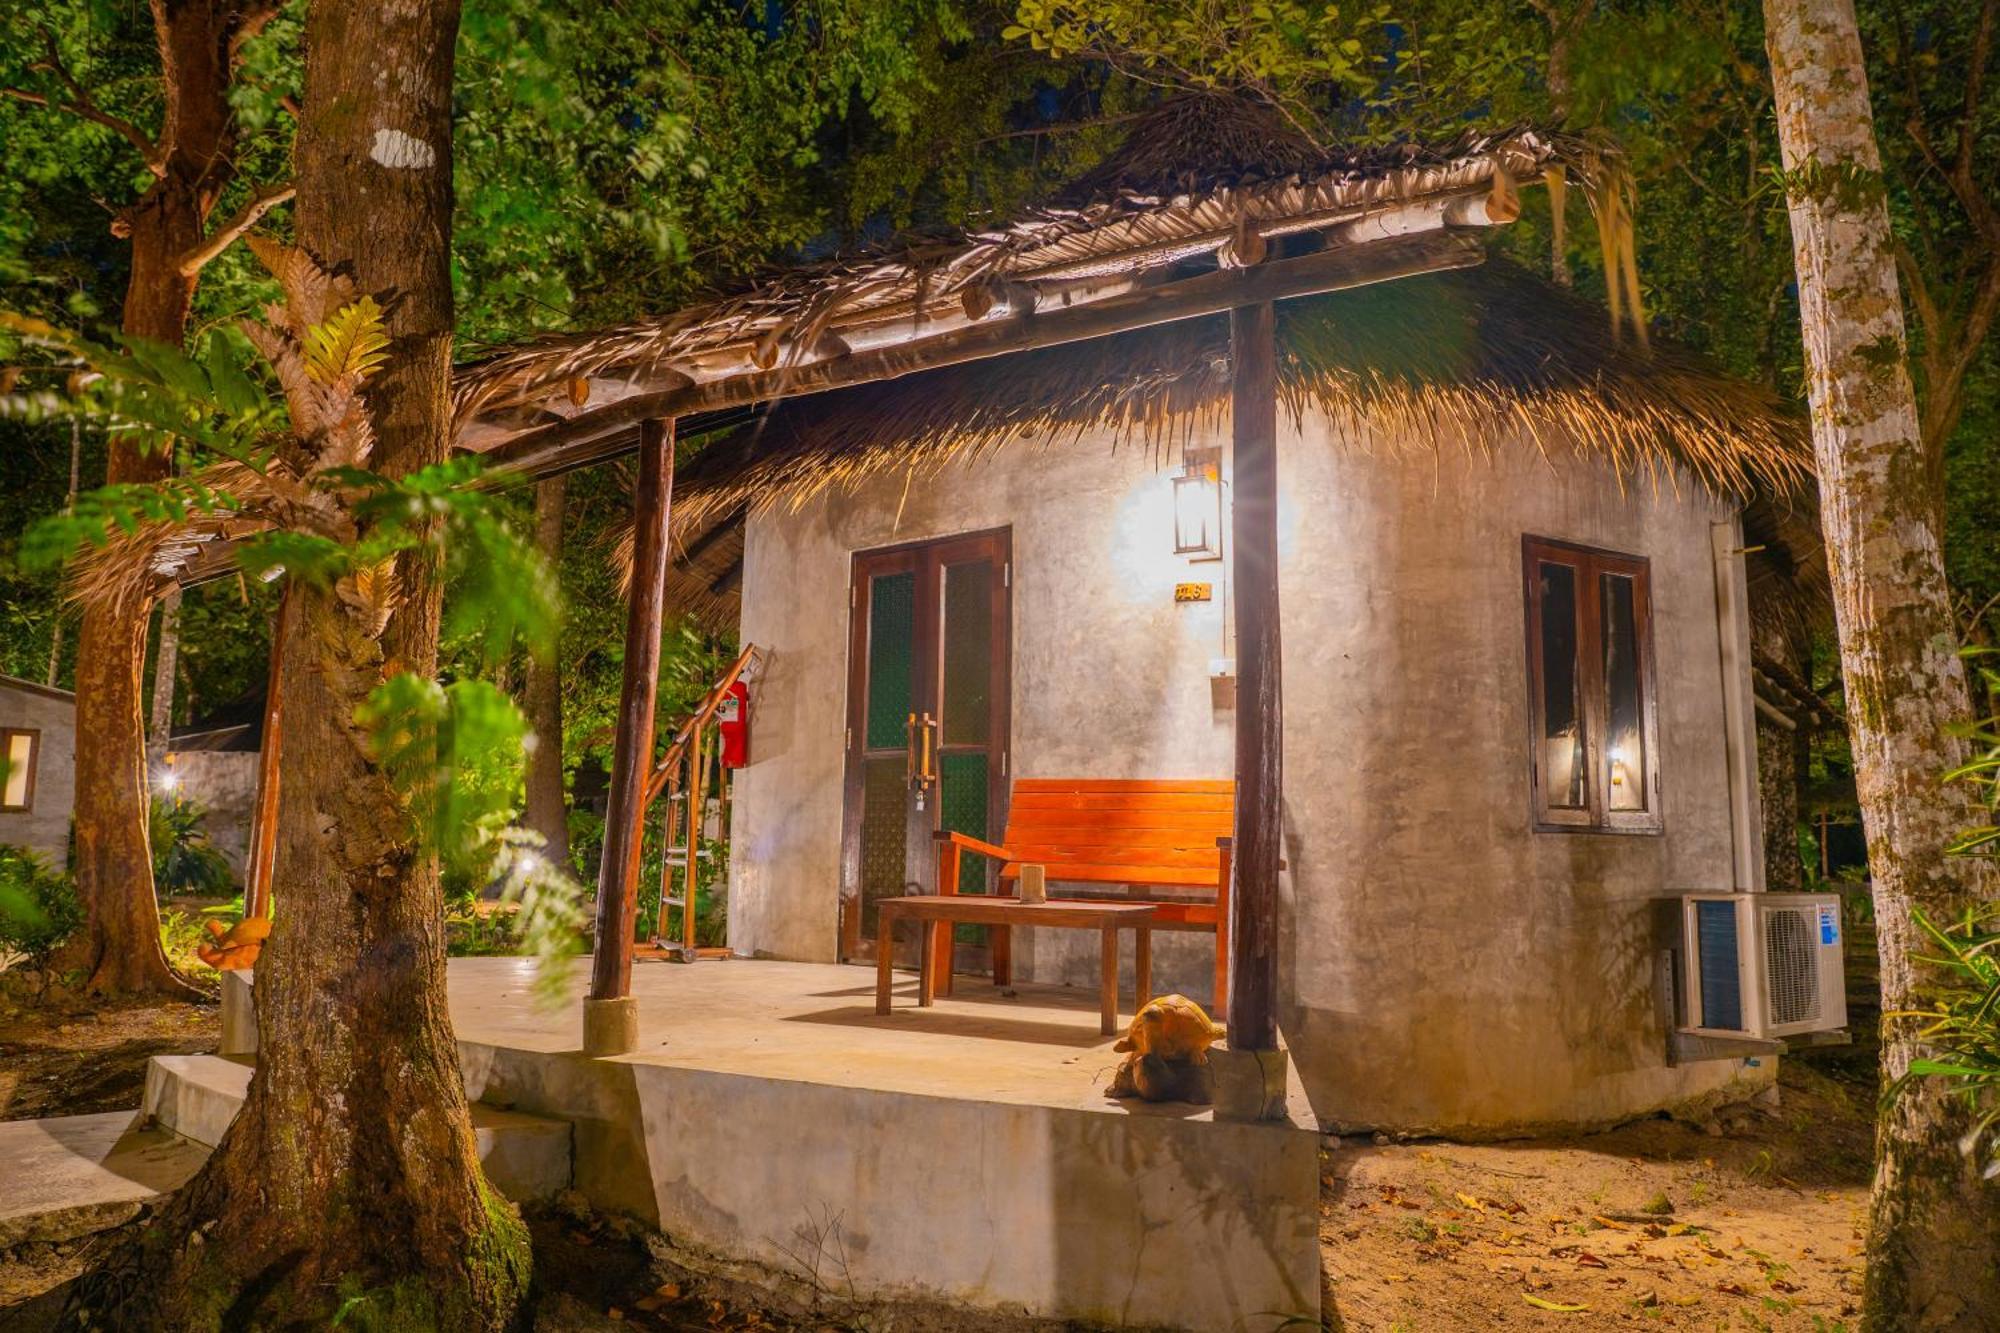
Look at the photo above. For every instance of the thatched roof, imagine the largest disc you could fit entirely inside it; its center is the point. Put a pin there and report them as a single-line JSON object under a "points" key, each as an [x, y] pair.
{"points": [[1473, 359], [1199, 179], [1470, 361]]}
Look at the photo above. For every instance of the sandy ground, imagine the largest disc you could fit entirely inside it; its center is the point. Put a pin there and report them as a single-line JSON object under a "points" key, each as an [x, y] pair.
{"points": [[67, 1056], [1753, 1223]]}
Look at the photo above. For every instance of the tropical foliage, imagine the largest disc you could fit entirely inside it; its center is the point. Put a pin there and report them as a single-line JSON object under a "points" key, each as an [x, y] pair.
{"points": [[38, 908], [291, 489], [184, 860], [1962, 1030]]}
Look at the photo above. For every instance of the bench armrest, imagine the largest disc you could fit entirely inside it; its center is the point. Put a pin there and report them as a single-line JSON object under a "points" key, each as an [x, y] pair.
{"points": [[1229, 844], [972, 844]]}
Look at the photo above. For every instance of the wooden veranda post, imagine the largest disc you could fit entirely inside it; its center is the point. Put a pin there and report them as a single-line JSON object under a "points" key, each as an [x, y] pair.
{"points": [[1253, 898], [264, 823], [610, 1015]]}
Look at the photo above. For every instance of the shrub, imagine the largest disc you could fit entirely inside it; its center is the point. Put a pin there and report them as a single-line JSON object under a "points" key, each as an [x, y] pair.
{"points": [[184, 860], [1962, 1030], [39, 908]]}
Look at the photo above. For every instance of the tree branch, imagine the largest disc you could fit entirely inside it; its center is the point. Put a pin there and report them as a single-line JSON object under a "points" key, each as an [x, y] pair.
{"points": [[262, 202], [253, 21], [1975, 79], [81, 105]]}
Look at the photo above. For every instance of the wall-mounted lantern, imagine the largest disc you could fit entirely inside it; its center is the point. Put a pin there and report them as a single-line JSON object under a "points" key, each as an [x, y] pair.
{"points": [[1198, 505]]}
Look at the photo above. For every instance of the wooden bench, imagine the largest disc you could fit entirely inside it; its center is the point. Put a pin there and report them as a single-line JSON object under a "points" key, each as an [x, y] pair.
{"points": [[1161, 842]]}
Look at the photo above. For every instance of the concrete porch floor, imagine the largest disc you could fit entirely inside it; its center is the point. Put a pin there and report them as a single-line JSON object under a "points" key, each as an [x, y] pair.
{"points": [[816, 1022], [963, 1153]]}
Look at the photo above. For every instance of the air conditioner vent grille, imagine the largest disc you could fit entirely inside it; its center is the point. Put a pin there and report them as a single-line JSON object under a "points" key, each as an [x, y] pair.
{"points": [[1792, 965]]}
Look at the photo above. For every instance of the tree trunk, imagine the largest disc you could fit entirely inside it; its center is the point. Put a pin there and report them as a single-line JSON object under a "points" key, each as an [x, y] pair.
{"points": [[118, 950], [1934, 1240], [548, 812], [166, 661], [351, 1178], [69, 506]]}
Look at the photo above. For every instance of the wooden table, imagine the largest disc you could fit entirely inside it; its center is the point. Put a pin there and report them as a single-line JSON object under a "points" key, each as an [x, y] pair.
{"points": [[986, 910]]}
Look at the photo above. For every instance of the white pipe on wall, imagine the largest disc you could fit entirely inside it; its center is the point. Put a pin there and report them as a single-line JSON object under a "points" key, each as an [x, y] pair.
{"points": [[1732, 616]]}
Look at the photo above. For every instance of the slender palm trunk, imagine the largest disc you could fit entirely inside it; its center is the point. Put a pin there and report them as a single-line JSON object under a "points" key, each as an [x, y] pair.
{"points": [[69, 505], [350, 1181], [166, 663], [548, 812], [1934, 1241]]}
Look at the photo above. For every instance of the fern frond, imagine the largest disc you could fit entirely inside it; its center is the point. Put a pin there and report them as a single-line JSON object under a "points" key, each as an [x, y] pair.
{"points": [[349, 345], [371, 592]]}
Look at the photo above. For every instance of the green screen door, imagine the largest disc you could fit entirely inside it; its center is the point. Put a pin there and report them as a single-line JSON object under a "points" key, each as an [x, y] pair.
{"points": [[926, 719]]}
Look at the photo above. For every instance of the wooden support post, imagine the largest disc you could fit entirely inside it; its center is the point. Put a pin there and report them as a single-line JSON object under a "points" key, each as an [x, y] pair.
{"points": [[632, 745], [1253, 897], [264, 822]]}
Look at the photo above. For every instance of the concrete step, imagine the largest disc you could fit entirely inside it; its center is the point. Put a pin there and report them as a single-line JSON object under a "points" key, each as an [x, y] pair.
{"points": [[73, 1175], [196, 1096]]}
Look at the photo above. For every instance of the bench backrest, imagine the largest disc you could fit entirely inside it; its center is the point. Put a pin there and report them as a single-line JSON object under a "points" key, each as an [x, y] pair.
{"points": [[1121, 831]]}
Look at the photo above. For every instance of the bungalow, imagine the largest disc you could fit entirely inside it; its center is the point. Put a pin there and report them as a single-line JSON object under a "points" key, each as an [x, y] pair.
{"points": [[37, 767], [1517, 696]]}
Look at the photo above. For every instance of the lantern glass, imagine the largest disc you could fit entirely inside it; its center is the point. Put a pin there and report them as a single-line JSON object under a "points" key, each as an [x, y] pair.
{"points": [[1198, 510]]}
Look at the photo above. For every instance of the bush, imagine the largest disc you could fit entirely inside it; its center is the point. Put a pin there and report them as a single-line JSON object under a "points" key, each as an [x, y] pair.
{"points": [[184, 860], [1962, 1030], [39, 908]]}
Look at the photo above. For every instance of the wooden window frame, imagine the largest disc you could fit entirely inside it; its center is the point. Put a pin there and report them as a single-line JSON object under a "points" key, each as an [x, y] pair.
{"points": [[7, 735], [1590, 564]]}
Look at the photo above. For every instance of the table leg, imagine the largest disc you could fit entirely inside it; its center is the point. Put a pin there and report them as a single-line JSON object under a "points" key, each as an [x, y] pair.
{"points": [[1108, 986], [942, 946], [927, 964], [885, 949], [1142, 966]]}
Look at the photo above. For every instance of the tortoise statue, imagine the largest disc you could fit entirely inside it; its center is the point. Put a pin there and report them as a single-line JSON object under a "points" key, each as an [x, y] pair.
{"points": [[1166, 1053]]}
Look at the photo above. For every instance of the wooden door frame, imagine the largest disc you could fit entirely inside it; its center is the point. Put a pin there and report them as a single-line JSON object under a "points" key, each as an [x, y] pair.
{"points": [[880, 559]]}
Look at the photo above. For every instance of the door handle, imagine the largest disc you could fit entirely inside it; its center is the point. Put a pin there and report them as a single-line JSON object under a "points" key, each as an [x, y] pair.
{"points": [[920, 765]]}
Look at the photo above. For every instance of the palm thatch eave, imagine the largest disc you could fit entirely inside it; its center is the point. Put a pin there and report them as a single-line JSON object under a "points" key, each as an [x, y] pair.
{"points": [[1477, 361]]}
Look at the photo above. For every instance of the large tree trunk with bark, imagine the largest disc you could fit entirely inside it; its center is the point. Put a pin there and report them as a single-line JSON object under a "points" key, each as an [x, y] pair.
{"points": [[548, 812], [351, 1177], [118, 950], [1934, 1238]]}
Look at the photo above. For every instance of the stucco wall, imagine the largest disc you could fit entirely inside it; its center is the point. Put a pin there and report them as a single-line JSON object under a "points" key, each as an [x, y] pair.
{"points": [[224, 784], [1446, 967], [45, 827]]}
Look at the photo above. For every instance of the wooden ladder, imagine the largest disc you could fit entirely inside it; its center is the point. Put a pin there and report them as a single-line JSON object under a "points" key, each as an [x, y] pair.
{"points": [[682, 776]]}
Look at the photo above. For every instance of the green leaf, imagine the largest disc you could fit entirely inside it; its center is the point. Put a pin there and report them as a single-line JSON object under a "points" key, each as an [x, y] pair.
{"points": [[351, 344]]}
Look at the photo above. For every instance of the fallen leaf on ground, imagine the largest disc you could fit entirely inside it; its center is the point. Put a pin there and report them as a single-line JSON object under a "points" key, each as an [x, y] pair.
{"points": [[1557, 1306]]}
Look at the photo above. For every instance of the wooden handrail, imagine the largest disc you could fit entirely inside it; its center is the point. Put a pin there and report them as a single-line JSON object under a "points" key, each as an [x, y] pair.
{"points": [[670, 764]]}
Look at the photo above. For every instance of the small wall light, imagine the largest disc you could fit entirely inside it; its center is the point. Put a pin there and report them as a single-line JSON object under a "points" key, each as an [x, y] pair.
{"points": [[1198, 505]]}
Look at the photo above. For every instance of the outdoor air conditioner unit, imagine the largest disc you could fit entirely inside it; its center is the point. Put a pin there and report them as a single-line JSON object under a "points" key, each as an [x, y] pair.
{"points": [[1762, 965]]}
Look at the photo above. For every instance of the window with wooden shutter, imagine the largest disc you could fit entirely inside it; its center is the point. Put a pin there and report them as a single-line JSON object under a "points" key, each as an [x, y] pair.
{"points": [[1593, 746]]}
